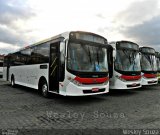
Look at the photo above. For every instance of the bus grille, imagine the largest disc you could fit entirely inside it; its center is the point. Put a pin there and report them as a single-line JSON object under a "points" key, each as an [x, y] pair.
{"points": [[90, 91], [150, 82], [131, 85]]}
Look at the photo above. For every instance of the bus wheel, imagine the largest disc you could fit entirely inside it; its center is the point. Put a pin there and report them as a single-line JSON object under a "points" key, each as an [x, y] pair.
{"points": [[13, 81], [44, 89]]}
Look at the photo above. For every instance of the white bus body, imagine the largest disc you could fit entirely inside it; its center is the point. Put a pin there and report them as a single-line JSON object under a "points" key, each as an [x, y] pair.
{"points": [[70, 64], [148, 66], [125, 72]]}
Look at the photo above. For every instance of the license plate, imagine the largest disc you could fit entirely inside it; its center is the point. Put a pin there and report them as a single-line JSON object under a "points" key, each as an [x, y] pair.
{"points": [[95, 89], [134, 84]]}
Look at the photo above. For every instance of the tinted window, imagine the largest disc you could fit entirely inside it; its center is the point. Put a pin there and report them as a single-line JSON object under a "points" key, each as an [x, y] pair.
{"points": [[34, 55], [6, 59], [40, 54]]}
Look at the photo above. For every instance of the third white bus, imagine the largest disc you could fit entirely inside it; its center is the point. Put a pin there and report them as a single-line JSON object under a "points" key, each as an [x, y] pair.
{"points": [[148, 66], [158, 65]]}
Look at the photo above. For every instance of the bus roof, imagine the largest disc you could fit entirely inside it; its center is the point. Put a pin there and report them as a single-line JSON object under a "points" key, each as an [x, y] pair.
{"points": [[64, 34], [114, 42]]}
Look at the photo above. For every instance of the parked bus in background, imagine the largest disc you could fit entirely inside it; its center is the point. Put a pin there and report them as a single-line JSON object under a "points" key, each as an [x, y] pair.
{"points": [[148, 66], [1, 65], [72, 63], [158, 65], [126, 71]]}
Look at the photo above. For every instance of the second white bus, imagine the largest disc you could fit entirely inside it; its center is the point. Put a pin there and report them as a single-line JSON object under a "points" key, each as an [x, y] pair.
{"points": [[126, 71]]}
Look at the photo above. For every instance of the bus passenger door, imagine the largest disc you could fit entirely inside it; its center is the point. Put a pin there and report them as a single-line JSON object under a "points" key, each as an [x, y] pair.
{"points": [[54, 67]]}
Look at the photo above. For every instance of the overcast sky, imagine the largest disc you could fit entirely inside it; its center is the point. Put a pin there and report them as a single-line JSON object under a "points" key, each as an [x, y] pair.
{"points": [[25, 22]]}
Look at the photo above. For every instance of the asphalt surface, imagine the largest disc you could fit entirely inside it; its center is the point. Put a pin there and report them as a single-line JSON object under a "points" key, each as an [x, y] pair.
{"points": [[24, 111]]}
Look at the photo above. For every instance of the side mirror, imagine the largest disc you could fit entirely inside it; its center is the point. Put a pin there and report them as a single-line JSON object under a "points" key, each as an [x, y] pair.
{"points": [[62, 61], [140, 55], [62, 51], [114, 53]]}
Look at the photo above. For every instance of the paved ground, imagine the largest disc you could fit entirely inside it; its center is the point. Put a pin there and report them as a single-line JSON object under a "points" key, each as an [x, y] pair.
{"points": [[23, 109]]}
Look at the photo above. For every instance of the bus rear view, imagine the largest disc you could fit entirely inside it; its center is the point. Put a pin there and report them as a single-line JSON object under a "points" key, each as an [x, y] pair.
{"points": [[148, 66], [126, 65]]}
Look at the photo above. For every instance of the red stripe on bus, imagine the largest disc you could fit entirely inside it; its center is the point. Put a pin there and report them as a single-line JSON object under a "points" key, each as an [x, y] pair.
{"points": [[91, 80], [150, 75], [130, 78]]}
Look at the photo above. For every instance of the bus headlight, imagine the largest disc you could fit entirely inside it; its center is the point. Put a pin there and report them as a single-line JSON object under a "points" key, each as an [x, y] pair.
{"points": [[74, 81], [149, 76], [106, 82], [120, 78], [125, 78]]}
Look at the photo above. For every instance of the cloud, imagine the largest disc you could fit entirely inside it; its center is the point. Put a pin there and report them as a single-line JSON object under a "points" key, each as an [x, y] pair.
{"points": [[13, 10], [28, 21], [139, 22], [146, 33], [6, 48], [14, 15], [10, 36], [138, 12]]}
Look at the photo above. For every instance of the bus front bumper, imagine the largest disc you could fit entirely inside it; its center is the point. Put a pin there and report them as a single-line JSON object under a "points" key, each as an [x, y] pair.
{"points": [[84, 90], [149, 81], [118, 84]]}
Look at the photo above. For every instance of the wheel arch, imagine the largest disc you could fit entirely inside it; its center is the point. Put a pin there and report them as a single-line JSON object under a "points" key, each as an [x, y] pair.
{"points": [[42, 78]]}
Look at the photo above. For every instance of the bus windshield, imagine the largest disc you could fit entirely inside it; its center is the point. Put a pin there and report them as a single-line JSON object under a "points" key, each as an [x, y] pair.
{"points": [[148, 62], [127, 60], [83, 57]]}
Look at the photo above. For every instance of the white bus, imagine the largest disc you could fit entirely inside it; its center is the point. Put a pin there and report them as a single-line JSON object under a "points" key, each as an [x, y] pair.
{"points": [[148, 66], [158, 65], [125, 71], [72, 63]]}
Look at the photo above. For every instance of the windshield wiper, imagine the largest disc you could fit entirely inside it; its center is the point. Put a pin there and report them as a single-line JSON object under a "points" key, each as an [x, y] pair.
{"points": [[125, 52], [89, 55], [131, 56], [98, 56], [94, 60], [150, 61]]}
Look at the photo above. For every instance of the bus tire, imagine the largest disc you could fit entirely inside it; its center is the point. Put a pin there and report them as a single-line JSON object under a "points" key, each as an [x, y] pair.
{"points": [[44, 88], [13, 81]]}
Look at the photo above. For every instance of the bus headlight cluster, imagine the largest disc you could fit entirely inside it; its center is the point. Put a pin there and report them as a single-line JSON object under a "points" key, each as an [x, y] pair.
{"points": [[125, 78], [144, 77], [74, 81], [120, 78], [106, 82], [149, 76]]}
